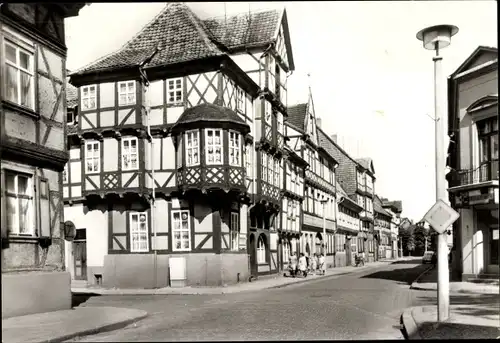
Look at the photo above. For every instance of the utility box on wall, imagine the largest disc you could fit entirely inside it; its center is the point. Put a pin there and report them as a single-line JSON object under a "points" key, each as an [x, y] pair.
{"points": [[178, 272]]}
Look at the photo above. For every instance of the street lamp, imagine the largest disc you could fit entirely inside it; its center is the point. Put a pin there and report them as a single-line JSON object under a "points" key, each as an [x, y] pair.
{"points": [[436, 38]]}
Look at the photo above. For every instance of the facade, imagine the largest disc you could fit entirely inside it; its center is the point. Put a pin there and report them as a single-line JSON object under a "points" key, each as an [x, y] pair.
{"points": [[177, 170], [473, 160], [394, 208], [304, 137], [33, 154], [357, 178], [383, 221]]}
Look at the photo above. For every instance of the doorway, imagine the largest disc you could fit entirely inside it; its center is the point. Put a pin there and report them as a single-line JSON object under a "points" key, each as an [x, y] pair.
{"points": [[493, 263], [80, 254], [253, 255], [348, 251]]}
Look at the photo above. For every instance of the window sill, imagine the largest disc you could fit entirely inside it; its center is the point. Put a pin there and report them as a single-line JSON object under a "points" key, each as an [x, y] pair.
{"points": [[21, 109], [15, 238], [93, 173]]}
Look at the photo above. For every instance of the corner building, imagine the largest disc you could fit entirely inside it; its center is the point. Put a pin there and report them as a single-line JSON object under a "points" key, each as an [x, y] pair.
{"points": [[215, 104]]}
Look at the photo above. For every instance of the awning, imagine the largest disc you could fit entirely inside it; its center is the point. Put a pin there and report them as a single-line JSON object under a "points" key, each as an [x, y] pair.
{"points": [[346, 230]]}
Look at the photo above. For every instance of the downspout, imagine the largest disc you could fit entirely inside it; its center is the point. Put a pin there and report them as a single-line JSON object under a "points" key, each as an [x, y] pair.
{"points": [[335, 229]]}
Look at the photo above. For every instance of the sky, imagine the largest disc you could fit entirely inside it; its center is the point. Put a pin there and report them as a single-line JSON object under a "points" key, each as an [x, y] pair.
{"points": [[371, 79]]}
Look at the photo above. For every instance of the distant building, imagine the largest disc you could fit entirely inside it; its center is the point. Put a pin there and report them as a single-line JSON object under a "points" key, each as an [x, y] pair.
{"points": [[33, 155], [394, 208], [473, 159], [383, 221]]}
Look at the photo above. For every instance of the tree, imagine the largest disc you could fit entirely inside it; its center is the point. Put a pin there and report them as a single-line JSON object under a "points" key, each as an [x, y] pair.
{"points": [[407, 239], [421, 235]]}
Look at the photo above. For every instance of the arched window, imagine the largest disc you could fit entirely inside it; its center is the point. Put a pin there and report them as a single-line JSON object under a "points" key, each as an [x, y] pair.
{"points": [[261, 250]]}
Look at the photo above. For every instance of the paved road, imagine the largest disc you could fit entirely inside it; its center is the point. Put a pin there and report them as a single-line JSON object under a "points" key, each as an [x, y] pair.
{"points": [[363, 305]]}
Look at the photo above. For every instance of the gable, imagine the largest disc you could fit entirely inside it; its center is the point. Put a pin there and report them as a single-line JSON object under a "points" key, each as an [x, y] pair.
{"points": [[310, 120], [283, 43], [481, 55]]}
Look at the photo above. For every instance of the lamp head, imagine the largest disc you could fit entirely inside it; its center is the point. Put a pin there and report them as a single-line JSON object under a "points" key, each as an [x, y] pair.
{"points": [[437, 37]]}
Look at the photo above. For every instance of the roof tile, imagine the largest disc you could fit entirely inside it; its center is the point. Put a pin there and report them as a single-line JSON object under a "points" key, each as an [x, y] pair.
{"points": [[297, 115]]}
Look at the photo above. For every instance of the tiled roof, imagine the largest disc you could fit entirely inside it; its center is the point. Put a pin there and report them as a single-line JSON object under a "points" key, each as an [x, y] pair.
{"points": [[210, 113], [377, 206], [364, 162], [297, 115], [71, 95], [176, 30], [341, 190], [245, 29]]}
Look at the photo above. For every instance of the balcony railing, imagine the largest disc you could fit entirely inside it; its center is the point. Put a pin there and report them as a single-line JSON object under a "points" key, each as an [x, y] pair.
{"points": [[486, 172]]}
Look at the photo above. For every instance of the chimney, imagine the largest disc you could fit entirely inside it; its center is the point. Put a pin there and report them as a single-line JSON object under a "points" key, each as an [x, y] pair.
{"points": [[334, 138], [318, 122]]}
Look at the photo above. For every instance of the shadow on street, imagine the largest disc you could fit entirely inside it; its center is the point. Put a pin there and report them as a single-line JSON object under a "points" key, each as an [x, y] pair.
{"points": [[401, 275], [79, 298], [486, 300], [414, 261]]}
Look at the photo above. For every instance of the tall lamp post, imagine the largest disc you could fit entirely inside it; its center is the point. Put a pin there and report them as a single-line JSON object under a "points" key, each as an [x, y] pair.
{"points": [[436, 38]]}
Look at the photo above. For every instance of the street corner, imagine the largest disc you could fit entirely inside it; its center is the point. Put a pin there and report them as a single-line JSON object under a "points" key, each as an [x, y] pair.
{"points": [[409, 324]]}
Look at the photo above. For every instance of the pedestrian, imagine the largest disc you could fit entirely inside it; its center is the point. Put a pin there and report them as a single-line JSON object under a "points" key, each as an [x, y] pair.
{"points": [[314, 263], [322, 264], [293, 264], [302, 264]]}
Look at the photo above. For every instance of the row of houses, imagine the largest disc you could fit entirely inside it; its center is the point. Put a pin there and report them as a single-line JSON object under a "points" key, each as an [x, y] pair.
{"points": [[175, 160]]}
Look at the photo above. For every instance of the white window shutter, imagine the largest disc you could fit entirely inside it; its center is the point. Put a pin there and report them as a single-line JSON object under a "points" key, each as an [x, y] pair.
{"points": [[43, 193]]}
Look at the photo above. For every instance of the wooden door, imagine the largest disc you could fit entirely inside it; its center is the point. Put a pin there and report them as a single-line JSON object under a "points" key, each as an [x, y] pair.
{"points": [[348, 252], [252, 248], [80, 258]]}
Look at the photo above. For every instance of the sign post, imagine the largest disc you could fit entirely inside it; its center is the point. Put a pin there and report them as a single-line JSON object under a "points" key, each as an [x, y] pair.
{"points": [[440, 217]]}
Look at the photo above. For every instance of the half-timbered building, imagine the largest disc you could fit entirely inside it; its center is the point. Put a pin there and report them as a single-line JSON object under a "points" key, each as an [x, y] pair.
{"points": [[33, 155], [382, 226], [305, 135], [394, 208], [473, 159], [357, 177], [184, 122]]}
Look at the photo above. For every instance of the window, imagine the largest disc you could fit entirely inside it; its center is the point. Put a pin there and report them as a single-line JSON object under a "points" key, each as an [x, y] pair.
{"points": [[261, 251], [268, 112], [65, 173], [20, 209], [488, 148], [234, 149], [240, 104], [129, 153], [192, 148], [213, 145], [92, 157], [235, 230], [270, 170], [249, 160], [19, 72], [277, 173], [174, 91], [89, 97], [264, 166], [71, 117], [280, 123], [126, 93], [139, 232], [181, 230]]}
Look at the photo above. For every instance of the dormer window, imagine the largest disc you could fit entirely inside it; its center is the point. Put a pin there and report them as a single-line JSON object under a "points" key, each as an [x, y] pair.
{"points": [[174, 91], [234, 149], [213, 144], [89, 96], [126, 93], [192, 148]]}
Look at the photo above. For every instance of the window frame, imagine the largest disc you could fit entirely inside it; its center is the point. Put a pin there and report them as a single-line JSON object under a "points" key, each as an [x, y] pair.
{"points": [[177, 87], [88, 97], [240, 102], [127, 93], [139, 230], [261, 255], [214, 146], [174, 240], [234, 231], [87, 172], [29, 195], [193, 148], [28, 48], [233, 148], [130, 139]]}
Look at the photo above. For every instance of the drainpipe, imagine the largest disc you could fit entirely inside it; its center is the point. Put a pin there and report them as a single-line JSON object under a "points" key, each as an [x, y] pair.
{"points": [[151, 158]]}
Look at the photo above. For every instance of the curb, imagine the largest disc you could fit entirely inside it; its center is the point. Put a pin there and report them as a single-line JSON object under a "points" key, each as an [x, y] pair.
{"points": [[104, 328], [460, 291], [410, 328], [308, 280], [413, 284]]}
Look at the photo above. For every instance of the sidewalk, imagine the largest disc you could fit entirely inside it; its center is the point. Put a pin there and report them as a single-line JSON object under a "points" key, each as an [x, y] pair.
{"points": [[428, 281], [465, 322], [59, 326], [266, 282]]}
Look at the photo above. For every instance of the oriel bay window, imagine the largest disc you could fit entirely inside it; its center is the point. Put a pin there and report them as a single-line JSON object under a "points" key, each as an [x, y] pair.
{"points": [[213, 145], [234, 149], [139, 241], [92, 157], [129, 153], [192, 148], [19, 75], [181, 230]]}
